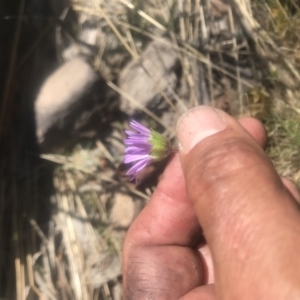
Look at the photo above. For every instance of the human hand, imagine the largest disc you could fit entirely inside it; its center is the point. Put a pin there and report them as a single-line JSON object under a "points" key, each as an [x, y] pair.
{"points": [[223, 187]]}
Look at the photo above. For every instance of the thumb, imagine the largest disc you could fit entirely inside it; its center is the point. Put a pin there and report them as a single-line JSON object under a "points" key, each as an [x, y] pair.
{"points": [[250, 222]]}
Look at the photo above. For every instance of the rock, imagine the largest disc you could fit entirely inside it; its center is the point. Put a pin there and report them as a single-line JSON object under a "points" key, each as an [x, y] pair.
{"points": [[123, 210], [158, 66], [65, 99]]}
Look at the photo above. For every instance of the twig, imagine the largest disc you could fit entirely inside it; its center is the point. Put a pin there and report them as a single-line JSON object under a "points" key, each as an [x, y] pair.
{"points": [[136, 103], [109, 22], [35, 44], [31, 276], [12, 63], [236, 58], [181, 21], [190, 50], [38, 230], [144, 15], [105, 152]]}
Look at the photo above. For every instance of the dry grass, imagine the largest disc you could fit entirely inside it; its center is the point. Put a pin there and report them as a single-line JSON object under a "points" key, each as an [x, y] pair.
{"points": [[285, 142], [279, 107], [79, 257]]}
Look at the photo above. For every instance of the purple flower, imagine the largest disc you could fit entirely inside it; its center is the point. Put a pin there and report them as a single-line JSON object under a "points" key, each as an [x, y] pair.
{"points": [[143, 146], [138, 148]]}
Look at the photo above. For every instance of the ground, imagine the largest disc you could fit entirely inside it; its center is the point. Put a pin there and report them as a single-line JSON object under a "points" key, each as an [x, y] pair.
{"points": [[73, 75]]}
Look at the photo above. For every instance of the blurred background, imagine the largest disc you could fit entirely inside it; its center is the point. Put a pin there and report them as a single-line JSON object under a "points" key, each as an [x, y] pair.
{"points": [[74, 72]]}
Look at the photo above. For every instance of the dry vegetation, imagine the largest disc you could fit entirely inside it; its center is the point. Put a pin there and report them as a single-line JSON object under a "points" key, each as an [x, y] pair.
{"points": [[282, 118], [79, 256]]}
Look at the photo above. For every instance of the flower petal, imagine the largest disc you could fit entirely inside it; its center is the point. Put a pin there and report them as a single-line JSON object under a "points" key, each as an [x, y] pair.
{"points": [[130, 133], [140, 128], [145, 149], [139, 166], [135, 157], [137, 143], [138, 148]]}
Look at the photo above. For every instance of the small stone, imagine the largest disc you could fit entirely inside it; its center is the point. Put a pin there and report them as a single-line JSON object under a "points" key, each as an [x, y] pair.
{"points": [[123, 210]]}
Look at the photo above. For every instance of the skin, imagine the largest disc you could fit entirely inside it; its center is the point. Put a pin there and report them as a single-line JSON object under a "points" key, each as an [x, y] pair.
{"points": [[221, 224]]}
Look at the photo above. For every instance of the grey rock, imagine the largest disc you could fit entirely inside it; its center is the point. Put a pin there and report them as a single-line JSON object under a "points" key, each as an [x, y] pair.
{"points": [[144, 79]]}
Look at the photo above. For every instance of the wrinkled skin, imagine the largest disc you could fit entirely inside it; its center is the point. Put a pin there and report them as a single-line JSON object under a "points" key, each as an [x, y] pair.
{"points": [[221, 224]]}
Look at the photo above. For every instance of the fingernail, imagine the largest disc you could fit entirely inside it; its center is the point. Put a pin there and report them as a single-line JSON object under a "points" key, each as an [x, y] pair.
{"points": [[196, 125]]}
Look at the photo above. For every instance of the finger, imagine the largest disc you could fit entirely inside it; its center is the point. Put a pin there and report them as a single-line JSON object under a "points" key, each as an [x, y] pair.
{"points": [[292, 188], [160, 272], [206, 292], [168, 219], [207, 263], [256, 129], [243, 208], [157, 261], [208, 270], [169, 216]]}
